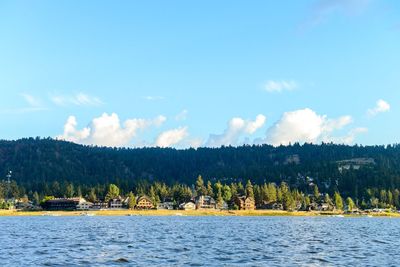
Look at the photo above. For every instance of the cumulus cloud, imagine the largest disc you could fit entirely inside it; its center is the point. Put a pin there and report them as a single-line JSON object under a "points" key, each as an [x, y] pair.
{"points": [[107, 130], [349, 138], [279, 86], [305, 125], [380, 107], [79, 99], [236, 128], [171, 137]]}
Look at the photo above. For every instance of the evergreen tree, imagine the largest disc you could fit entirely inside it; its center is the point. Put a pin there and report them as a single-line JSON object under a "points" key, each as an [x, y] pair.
{"points": [[350, 204], [200, 188], [249, 189], [69, 190], [316, 193], [271, 193], [210, 190], [226, 193], [131, 200], [36, 198], [154, 197], [113, 192], [338, 201], [92, 195]]}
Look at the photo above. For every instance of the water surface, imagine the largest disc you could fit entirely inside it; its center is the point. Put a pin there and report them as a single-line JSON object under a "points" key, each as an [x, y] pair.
{"points": [[199, 241]]}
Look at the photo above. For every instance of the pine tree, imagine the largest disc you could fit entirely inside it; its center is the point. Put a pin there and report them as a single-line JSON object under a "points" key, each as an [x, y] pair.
{"points": [[338, 201], [350, 204], [200, 188], [69, 190], [226, 193], [131, 200], [113, 192], [92, 195], [249, 189], [210, 190], [316, 193]]}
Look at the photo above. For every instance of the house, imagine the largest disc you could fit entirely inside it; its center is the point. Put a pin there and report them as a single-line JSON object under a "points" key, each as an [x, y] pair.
{"points": [[323, 207], [61, 204], [205, 202], [144, 203], [245, 203], [187, 206], [165, 206], [84, 205], [115, 203], [25, 206], [100, 205]]}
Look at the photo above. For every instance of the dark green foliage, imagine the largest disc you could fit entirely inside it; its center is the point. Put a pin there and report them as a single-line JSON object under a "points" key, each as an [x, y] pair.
{"points": [[64, 169]]}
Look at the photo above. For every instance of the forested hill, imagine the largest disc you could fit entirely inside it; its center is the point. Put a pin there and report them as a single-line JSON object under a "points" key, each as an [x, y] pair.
{"points": [[350, 169]]}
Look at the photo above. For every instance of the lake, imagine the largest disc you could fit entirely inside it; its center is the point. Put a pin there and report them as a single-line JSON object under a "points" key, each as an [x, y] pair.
{"points": [[199, 241]]}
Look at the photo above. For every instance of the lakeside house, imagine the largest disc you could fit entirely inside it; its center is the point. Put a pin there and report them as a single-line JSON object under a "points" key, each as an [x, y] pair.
{"points": [[205, 202], [187, 206], [84, 205], [165, 206], [144, 203], [115, 203], [99, 205], [245, 203], [61, 204]]}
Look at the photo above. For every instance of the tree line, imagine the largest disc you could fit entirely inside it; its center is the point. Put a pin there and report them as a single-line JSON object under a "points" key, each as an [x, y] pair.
{"points": [[266, 195], [51, 167]]}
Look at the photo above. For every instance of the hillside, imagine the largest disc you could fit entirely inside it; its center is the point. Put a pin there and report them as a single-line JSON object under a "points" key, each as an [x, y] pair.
{"points": [[350, 169]]}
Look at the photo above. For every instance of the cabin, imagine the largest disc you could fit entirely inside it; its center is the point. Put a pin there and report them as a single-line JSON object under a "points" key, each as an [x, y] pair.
{"points": [[115, 203], [205, 202], [144, 203], [277, 206], [165, 206], [100, 205], [61, 204], [84, 205], [323, 207], [245, 203], [187, 206]]}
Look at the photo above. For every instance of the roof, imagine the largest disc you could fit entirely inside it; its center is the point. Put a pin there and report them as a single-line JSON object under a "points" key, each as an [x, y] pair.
{"points": [[144, 197]]}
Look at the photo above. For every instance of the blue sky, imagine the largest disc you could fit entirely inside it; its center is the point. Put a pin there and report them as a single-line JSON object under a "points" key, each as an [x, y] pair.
{"points": [[209, 73]]}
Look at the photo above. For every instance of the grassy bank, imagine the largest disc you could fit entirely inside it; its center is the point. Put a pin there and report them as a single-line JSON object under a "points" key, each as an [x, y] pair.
{"points": [[181, 213]]}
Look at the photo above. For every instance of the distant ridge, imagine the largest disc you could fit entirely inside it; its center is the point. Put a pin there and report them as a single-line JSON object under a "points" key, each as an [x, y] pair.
{"points": [[330, 166]]}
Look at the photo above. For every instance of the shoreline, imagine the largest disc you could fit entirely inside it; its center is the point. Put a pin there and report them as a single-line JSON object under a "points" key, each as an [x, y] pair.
{"points": [[252, 213]]}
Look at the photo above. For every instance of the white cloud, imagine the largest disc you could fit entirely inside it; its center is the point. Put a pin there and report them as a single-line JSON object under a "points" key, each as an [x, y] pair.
{"points": [[34, 104], [182, 115], [107, 130], [380, 107], [304, 126], [349, 138], [236, 128], [171, 137], [31, 100], [79, 99], [279, 86]]}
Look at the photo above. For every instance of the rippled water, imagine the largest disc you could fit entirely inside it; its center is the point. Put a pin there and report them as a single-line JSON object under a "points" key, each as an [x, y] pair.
{"points": [[199, 241]]}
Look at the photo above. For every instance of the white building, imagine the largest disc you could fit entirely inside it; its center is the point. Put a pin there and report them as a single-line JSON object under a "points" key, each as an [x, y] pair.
{"points": [[187, 206], [84, 205]]}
